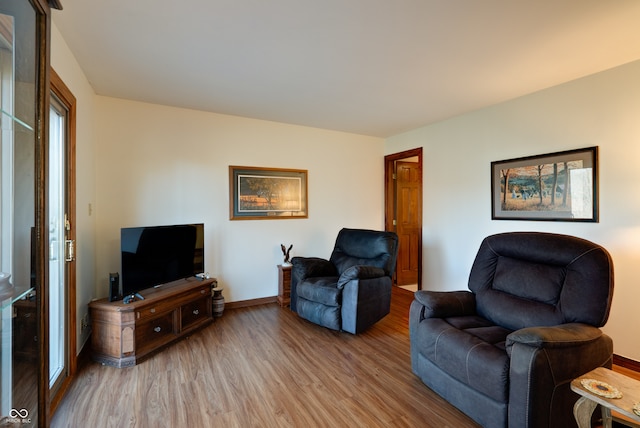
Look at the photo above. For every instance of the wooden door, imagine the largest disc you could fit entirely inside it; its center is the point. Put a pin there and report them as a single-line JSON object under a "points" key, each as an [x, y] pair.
{"points": [[408, 220]]}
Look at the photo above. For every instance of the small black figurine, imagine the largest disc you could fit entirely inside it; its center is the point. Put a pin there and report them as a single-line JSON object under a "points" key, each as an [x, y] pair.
{"points": [[286, 252]]}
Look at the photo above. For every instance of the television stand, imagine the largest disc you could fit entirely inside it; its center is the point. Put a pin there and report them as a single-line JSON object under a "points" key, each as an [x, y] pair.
{"points": [[125, 334]]}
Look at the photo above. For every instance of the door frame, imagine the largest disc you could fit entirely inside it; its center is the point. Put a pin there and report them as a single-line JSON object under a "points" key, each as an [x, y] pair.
{"points": [[390, 198], [69, 100]]}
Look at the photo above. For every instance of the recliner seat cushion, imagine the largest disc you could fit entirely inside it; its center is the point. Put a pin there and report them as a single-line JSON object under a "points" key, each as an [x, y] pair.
{"points": [[323, 290], [470, 349]]}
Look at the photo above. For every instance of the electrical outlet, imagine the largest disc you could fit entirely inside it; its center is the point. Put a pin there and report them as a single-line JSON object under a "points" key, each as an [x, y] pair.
{"points": [[84, 323]]}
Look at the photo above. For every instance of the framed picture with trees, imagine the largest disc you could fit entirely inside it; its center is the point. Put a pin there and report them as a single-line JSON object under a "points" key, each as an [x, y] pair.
{"points": [[257, 193], [561, 186]]}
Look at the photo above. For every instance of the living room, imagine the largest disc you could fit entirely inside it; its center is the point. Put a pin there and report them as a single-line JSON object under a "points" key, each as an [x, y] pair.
{"points": [[141, 163]]}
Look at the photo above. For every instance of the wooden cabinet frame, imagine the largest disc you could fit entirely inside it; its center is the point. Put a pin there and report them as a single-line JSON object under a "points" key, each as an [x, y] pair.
{"points": [[125, 334]]}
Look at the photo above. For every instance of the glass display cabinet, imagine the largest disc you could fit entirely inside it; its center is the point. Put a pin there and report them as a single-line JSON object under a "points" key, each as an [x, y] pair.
{"points": [[24, 98]]}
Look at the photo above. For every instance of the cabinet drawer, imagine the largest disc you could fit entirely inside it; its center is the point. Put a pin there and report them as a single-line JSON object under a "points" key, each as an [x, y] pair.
{"points": [[195, 312], [148, 312], [152, 333]]}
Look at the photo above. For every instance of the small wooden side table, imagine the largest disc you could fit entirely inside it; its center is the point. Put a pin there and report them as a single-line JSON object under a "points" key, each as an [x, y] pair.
{"points": [[284, 285], [586, 404]]}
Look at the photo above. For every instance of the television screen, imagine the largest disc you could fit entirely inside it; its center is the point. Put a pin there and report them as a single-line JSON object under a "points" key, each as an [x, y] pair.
{"points": [[152, 256]]}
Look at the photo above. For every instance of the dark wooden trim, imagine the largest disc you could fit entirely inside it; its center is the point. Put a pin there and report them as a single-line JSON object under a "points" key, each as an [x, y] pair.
{"points": [[43, 35], [252, 302], [47, 4], [57, 398], [390, 197], [67, 98], [626, 363], [55, 4]]}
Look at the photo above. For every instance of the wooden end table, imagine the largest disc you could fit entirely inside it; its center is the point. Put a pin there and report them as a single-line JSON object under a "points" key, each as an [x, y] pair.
{"points": [[284, 285], [586, 404]]}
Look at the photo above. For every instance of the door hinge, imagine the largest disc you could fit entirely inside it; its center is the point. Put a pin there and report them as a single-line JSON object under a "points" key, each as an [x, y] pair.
{"points": [[393, 176], [70, 250], [67, 223], [395, 223]]}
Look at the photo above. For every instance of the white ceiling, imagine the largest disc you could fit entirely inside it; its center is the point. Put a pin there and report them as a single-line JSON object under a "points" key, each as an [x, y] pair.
{"points": [[372, 67]]}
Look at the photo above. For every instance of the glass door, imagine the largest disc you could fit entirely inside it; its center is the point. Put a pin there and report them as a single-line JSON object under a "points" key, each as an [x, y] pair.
{"points": [[62, 214], [21, 151], [60, 249]]}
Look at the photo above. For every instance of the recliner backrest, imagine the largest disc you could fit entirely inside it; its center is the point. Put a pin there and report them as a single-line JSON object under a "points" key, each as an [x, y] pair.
{"points": [[365, 247], [527, 279]]}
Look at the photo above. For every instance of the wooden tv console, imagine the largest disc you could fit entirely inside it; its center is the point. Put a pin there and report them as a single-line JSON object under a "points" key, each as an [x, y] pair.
{"points": [[125, 334]]}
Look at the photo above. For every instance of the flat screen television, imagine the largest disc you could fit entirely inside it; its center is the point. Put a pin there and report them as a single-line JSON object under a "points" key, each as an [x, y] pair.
{"points": [[155, 255]]}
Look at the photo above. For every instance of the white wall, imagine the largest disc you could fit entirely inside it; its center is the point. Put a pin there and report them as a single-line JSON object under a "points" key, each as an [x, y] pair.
{"points": [[161, 165], [140, 164], [63, 62], [600, 110], [143, 164]]}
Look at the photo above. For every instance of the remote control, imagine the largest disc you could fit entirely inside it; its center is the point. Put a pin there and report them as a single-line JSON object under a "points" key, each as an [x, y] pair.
{"points": [[202, 276], [130, 298]]}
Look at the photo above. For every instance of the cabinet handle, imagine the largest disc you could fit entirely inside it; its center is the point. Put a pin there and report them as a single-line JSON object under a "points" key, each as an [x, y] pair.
{"points": [[152, 310], [196, 312], [157, 329], [202, 291]]}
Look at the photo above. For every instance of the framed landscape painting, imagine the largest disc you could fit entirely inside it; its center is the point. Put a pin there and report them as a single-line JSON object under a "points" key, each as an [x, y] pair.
{"points": [[267, 193], [560, 186]]}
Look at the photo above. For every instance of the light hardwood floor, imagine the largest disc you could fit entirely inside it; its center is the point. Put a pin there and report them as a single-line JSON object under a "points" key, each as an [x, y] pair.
{"points": [[263, 366]]}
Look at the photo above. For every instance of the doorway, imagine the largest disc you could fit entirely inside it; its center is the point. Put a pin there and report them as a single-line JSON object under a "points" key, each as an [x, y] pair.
{"points": [[403, 214], [62, 236]]}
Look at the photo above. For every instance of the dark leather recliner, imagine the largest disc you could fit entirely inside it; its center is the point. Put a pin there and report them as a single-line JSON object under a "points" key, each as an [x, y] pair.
{"points": [[505, 351], [352, 290]]}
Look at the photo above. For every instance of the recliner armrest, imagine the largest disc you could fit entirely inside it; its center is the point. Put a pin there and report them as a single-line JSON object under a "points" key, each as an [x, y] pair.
{"points": [[543, 362], [561, 336], [310, 267], [360, 272], [442, 304]]}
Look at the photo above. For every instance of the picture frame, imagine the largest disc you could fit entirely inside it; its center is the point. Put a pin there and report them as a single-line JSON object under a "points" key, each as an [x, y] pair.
{"points": [[257, 193], [560, 186]]}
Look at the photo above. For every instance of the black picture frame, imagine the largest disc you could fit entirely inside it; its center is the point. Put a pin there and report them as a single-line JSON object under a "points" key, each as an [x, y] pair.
{"points": [[257, 193], [560, 186]]}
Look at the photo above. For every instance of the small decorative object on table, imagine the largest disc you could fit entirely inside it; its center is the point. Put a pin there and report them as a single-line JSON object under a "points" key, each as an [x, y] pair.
{"points": [[601, 388], [285, 253], [218, 300], [595, 389]]}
